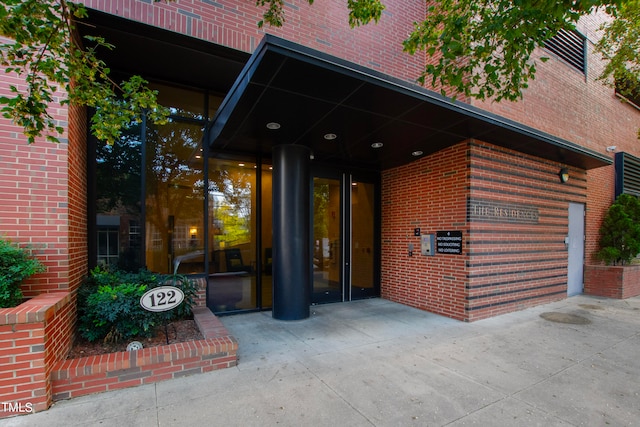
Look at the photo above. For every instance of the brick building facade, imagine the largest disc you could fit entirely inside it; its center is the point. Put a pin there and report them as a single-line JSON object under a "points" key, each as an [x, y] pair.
{"points": [[486, 172]]}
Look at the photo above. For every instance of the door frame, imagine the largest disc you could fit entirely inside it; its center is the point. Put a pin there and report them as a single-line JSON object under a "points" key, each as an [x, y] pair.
{"points": [[346, 178]]}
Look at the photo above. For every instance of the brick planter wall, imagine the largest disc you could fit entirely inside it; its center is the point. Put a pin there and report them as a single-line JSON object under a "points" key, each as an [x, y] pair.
{"points": [[612, 281], [33, 337], [95, 374], [36, 337]]}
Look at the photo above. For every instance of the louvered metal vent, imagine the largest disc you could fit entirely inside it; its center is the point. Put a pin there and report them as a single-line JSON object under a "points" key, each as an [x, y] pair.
{"points": [[627, 174], [571, 47]]}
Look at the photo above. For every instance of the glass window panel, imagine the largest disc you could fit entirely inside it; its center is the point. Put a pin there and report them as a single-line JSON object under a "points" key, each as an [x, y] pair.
{"points": [[362, 231], [267, 237], [327, 245], [118, 193], [180, 101], [232, 201], [214, 104], [174, 198]]}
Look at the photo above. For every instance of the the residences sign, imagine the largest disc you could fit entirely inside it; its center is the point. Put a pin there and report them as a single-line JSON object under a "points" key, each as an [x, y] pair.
{"points": [[502, 212], [449, 242]]}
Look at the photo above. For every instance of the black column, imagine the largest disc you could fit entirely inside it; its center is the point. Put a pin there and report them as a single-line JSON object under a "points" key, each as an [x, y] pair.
{"points": [[291, 253]]}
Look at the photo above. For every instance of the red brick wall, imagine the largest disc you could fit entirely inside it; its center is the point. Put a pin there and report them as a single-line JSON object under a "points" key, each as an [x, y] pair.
{"points": [[95, 374], [33, 338], [34, 199], [506, 264], [77, 194], [516, 261], [322, 26], [569, 104], [429, 194], [600, 195], [612, 281]]}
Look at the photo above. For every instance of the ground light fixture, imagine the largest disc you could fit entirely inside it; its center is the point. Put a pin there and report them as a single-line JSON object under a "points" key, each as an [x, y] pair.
{"points": [[330, 136], [273, 125], [564, 175], [417, 153], [377, 145]]}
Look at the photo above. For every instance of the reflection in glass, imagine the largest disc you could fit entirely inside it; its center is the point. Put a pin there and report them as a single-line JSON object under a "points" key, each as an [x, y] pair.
{"points": [[174, 198], [362, 239], [327, 283], [267, 237], [232, 269], [118, 192]]}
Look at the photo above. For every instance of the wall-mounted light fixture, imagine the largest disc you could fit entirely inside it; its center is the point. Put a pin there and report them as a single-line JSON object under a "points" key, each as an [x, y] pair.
{"points": [[194, 232], [564, 175]]}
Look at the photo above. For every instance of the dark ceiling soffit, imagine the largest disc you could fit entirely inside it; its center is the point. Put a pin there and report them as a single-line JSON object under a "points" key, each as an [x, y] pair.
{"points": [[494, 123], [103, 21], [163, 55]]}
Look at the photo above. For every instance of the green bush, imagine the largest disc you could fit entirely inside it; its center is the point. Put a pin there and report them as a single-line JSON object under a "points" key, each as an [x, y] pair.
{"points": [[16, 264], [109, 304], [620, 231]]}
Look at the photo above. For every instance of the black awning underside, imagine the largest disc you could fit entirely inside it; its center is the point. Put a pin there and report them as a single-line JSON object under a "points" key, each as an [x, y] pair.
{"points": [[311, 94]]}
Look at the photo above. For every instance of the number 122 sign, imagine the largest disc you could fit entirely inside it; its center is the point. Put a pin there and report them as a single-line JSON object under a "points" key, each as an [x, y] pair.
{"points": [[162, 298]]}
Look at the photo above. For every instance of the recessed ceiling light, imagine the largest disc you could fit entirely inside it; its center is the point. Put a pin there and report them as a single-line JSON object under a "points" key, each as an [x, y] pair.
{"points": [[241, 164], [273, 125], [330, 136], [377, 145], [417, 153]]}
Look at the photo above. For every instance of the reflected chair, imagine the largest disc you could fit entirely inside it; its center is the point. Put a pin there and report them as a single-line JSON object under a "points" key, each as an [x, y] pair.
{"points": [[233, 259]]}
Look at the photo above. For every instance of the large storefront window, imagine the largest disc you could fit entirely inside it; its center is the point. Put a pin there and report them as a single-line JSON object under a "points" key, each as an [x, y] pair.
{"points": [[150, 190], [151, 195], [156, 209]]}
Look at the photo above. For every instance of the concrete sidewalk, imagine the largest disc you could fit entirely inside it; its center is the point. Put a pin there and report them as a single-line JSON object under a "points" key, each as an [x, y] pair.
{"points": [[377, 363]]}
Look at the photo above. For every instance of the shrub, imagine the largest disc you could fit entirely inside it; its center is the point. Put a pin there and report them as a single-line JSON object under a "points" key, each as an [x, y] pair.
{"points": [[109, 304], [16, 264], [620, 231]]}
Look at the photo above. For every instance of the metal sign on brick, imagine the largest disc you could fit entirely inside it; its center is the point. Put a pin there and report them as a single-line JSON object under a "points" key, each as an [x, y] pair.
{"points": [[449, 242]]}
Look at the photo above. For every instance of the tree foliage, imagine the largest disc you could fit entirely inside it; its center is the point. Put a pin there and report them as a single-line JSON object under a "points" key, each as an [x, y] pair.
{"points": [[16, 265], [41, 46], [480, 49], [620, 231], [483, 49], [620, 46], [361, 12]]}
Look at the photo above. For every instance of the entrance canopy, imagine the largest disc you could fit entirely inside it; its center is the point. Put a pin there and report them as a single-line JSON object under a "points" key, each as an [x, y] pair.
{"points": [[339, 109]]}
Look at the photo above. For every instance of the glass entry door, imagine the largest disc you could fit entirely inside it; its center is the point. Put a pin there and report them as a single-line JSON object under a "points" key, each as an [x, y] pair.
{"points": [[344, 245], [327, 244]]}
